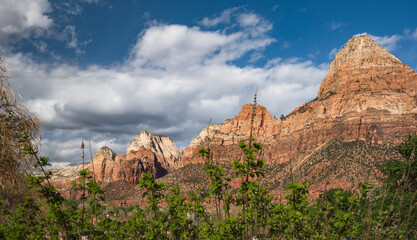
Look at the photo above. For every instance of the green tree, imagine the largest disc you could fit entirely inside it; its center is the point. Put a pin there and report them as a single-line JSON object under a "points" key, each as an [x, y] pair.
{"points": [[402, 174]]}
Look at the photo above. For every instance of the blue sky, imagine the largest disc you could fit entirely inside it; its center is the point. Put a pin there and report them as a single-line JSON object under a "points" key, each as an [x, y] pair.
{"points": [[113, 68]]}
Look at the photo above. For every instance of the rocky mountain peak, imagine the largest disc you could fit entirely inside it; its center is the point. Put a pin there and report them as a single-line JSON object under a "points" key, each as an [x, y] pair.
{"points": [[160, 145], [105, 153], [363, 52], [362, 62], [261, 113]]}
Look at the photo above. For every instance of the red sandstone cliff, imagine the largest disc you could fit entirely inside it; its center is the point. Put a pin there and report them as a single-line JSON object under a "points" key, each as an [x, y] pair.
{"points": [[368, 94], [148, 153]]}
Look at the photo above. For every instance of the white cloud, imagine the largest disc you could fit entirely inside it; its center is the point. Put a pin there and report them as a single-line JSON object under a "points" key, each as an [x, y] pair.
{"points": [[388, 42], [410, 34], [70, 37], [91, 1], [70, 148], [73, 10], [333, 52], [224, 17], [255, 57], [177, 47], [289, 84], [20, 19], [29, 19], [58, 165], [248, 19], [335, 25], [176, 78], [239, 17]]}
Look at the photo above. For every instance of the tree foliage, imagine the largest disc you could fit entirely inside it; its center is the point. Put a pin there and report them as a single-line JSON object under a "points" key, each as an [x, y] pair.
{"points": [[369, 212], [402, 174]]}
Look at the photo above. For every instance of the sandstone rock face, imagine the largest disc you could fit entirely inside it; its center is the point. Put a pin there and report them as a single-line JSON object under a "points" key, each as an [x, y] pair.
{"points": [[102, 166], [68, 172], [368, 94], [160, 145], [148, 153], [63, 177], [222, 139], [144, 160]]}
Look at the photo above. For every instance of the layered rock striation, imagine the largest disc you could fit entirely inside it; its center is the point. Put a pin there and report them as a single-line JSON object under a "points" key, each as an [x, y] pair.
{"points": [[169, 154], [148, 153], [368, 94]]}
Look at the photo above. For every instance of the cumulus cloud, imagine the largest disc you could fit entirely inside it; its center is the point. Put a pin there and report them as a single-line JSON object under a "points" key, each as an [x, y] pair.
{"points": [[21, 19], [291, 82], [176, 79], [177, 47], [30, 20]]}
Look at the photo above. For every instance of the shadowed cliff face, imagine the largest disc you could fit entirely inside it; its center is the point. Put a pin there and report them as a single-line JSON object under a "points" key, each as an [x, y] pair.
{"points": [[368, 94]]}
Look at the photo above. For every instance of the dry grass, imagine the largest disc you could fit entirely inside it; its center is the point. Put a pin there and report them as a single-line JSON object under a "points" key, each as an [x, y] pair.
{"points": [[15, 121]]}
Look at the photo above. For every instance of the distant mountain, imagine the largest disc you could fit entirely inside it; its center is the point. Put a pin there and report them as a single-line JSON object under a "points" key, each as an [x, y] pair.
{"points": [[148, 153]]}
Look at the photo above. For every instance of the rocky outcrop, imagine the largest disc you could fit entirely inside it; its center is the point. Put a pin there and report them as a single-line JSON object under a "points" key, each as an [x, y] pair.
{"points": [[63, 177], [148, 153], [68, 172], [368, 94], [130, 168], [170, 155], [102, 166]]}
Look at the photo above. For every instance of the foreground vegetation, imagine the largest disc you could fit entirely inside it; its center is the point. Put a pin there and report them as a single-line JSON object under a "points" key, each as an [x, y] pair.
{"points": [[384, 212]]}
